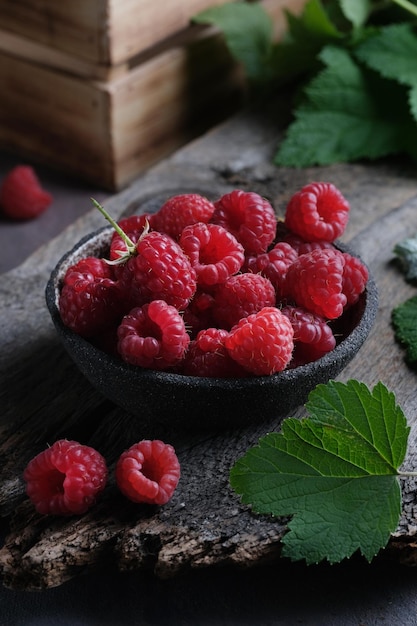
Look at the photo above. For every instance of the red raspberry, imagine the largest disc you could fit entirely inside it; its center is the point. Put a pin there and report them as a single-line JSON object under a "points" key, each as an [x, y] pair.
{"points": [[153, 336], [273, 265], [315, 282], [249, 217], [313, 337], [240, 296], [21, 194], [214, 253], [317, 212], [302, 247], [181, 211], [355, 277], [65, 479], [88, 268], [207, 356], [159, 271], [199, 313], [89, 302], [148, 472], [262, 343], [134, 227]]}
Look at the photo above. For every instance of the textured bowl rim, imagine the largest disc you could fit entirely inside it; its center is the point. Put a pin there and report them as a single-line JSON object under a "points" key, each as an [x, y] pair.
{"points": [[351, 343]]}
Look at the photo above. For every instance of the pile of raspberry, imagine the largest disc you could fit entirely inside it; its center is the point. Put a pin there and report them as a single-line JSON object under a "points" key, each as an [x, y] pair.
{"points": [[222, 288]]}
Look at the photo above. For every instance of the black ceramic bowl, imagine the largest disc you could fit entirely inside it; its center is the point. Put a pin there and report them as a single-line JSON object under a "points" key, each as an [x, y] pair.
{"points": [[200, 403]]}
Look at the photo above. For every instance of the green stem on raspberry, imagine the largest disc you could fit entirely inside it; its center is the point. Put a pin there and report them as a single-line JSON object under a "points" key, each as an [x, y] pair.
{"points": [[131, 246]]}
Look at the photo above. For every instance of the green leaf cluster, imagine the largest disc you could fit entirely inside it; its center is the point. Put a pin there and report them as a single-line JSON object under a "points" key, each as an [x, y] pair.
{"points": [[354, 61], [335, 472]]}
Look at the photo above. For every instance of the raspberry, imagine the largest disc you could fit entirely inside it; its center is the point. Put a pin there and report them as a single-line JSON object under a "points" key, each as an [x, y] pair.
{"points": [[89, 301], [148, 472], [153, 336], [207, 356], [65, 479], [159, 270], [88, 268], [134, 227], [199, 313], [214, 253], [315, 282], [313, 337], [240, 296], [317, 212], [355, 277], [181, 211], [302, 247], [21, 194], [249, 217], [262, 343], [273, 265]]}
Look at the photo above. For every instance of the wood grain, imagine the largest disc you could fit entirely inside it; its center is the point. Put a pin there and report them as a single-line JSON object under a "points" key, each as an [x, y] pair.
{"points": [[44, 397]]}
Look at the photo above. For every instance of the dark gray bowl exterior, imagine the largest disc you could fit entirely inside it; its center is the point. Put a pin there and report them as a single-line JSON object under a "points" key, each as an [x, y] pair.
{"points": [[200, 403]]}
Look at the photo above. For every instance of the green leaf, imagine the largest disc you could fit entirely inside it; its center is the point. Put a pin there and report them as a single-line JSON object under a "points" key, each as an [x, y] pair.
{"points": [[392, 51], [406, 252], [335, 472], [404, 320], [347, 115], [356, 11], [306, 35], [248, 32]]}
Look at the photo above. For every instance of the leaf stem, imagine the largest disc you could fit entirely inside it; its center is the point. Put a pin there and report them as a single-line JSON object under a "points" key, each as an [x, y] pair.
{"points": [[407, 474], [407, 5]]}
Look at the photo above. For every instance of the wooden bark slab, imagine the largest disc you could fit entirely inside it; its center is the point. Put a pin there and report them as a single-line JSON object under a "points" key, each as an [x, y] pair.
{"points": [[43, 396]]}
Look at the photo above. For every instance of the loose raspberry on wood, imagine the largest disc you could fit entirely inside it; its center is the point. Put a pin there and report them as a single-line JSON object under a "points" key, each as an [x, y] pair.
{"points": [[65, 479], [21, 195], [148, 472]]}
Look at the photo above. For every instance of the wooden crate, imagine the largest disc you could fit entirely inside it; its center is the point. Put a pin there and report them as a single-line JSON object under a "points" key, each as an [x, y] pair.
{"points": [[108, 123], [107, 132], [100, 31]]}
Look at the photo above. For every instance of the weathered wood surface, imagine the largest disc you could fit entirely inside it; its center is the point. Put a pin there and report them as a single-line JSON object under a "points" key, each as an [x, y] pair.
{"points": [[43, 396]]}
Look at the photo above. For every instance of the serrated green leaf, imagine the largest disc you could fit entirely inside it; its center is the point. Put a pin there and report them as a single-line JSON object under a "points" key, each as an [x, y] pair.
{"points": [[248, 30], [335, 472], [313, 22], [347, 115], [356, 11], [404, 320], [406, 253], [392, 51]]}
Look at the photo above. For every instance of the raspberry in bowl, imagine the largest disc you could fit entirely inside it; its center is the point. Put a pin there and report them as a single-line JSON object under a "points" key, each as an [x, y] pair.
{"points": [[218, 318]]}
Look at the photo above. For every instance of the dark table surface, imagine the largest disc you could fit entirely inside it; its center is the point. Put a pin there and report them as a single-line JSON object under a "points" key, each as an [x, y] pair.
{"points": [[282, 594]]}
